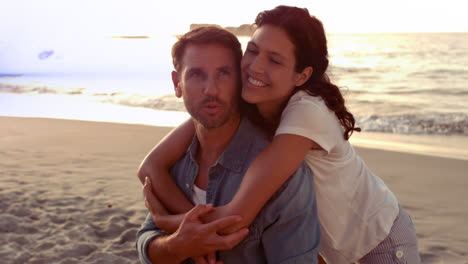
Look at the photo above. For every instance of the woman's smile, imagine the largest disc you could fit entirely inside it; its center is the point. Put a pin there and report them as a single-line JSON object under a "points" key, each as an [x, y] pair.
{"points": [[255, 82]]}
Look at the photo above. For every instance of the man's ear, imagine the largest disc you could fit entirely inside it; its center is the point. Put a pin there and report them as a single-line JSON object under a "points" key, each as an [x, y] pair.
{"points": [[304, 76], [176, 82]]}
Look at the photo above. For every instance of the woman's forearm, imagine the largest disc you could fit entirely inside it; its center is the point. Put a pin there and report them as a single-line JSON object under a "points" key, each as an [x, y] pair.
{"points": [[157, 163], [272, 167], [169, 223], [161, 216]]}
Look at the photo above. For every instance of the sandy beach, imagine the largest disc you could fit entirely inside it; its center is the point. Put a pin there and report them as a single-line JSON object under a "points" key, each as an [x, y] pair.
{"points": [[69, 194]]}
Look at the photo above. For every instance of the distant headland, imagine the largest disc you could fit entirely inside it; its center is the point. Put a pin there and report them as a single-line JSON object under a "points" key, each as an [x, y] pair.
{"points": [[242, 30], [131, 37]]}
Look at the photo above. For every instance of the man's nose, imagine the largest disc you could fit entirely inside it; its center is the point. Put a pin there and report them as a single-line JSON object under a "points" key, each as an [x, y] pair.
{"points": [[211, 87]]}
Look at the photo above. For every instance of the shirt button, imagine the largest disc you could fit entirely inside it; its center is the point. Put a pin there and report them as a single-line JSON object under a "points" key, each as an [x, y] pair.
{"points": [[399, 254], [187, 185]]}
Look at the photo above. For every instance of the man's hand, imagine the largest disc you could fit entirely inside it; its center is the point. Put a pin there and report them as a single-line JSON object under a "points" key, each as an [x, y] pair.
{"points": [[194, 239]]}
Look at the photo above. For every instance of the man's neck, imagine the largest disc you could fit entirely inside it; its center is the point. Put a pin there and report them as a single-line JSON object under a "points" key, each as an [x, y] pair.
{"points": [[214, 141]]}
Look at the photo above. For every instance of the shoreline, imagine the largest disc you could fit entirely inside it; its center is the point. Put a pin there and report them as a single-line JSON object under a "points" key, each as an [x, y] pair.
{"points": [[82, 108], [444, 146], [69, 192]]}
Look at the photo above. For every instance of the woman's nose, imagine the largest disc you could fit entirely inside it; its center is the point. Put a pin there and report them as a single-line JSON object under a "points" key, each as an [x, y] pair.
{"points": [[257, 65]]}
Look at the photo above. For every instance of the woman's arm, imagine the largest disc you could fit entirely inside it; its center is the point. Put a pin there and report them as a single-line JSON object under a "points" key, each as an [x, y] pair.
{"points": [[157, 163], [161, 217], [272, 167]]}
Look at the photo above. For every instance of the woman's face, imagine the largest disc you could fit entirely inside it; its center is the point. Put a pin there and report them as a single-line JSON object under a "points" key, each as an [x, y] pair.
{"points": [[268, 69]]}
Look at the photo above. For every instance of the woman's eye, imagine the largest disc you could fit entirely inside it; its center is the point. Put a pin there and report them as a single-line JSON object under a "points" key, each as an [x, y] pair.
{"points": [[253, 51], [275, 61]]}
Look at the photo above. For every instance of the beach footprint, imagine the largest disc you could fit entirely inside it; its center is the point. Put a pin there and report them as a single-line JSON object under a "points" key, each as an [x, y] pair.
{"points": [[429, 258]]}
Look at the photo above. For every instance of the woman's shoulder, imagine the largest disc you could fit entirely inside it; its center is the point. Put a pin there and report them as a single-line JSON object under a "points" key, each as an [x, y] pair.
{"points": [[305, 99], [311, 111], [308, 116]]}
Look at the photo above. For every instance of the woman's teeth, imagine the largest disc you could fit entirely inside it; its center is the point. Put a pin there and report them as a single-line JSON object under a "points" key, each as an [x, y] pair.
{"points": [[256, 82]]}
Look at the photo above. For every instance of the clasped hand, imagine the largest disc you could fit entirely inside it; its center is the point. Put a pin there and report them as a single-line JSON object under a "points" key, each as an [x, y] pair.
{"points": [[194, 238]]}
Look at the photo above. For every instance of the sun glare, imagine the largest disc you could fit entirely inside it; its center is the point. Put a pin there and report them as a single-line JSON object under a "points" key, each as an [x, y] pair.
{"points": [[46, 18]]}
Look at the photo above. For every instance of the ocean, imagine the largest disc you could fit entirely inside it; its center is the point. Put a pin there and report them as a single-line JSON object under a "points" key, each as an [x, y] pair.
{"points": [[408, 89]]}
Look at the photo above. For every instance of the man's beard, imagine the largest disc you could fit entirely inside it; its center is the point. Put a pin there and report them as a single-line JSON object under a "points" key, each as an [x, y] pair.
{"points": [[207, 121]]}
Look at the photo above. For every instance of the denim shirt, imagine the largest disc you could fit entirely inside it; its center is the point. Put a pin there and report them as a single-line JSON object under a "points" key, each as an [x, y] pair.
{"points": [[285, 231]]}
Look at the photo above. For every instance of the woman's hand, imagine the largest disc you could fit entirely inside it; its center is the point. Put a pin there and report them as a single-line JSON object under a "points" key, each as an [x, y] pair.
{"points": [[208, 259], [152, 203], [224, 211], [159, 213]]}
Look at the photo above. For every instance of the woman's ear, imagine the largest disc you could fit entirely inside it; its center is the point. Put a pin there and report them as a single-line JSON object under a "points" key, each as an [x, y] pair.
{"points": [[176, 82], [304, 76]]}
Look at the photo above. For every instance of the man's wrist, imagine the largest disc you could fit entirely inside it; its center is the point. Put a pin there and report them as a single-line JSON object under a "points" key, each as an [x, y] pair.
{"points": [[165, 249], [173, 247]]}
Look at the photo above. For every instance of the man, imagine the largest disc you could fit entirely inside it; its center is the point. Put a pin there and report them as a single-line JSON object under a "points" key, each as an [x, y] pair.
{"points": [[225, 143]]}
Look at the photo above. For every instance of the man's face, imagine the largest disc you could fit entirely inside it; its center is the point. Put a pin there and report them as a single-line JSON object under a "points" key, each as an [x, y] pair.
{"points": [[208, 82]]}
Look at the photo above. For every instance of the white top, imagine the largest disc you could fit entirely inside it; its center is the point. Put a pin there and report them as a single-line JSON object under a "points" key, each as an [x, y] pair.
{"points": [[198, 195], [356, 209]]}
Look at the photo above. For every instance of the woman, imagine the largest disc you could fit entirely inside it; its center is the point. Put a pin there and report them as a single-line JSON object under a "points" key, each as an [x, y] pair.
{"points": [[284, 75]]}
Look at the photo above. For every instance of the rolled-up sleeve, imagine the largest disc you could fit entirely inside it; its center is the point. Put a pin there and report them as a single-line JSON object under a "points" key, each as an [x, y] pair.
{"points": [[147, 233], [293, 233]]}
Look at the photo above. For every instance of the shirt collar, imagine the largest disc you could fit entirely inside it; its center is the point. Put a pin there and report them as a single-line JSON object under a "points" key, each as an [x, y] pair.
{"points": [[235, 154]]}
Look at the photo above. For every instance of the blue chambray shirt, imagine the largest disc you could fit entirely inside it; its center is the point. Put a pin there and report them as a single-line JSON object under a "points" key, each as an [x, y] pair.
{"points": [[285, 231]]}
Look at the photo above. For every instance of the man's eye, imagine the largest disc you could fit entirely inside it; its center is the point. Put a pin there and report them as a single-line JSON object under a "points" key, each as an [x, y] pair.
{"points": [[224, 72], [195, 74]]}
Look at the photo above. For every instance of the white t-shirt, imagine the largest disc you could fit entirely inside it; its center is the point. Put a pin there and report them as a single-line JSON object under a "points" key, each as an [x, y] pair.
{"points": [[356, 209], [199, 195]]}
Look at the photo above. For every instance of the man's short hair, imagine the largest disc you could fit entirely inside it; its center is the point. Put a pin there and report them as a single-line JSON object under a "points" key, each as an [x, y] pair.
{"points": [[206, 35]]}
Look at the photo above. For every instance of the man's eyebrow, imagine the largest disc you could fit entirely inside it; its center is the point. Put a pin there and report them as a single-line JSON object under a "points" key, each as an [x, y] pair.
{"points": [[225, 68], [194, 69]]}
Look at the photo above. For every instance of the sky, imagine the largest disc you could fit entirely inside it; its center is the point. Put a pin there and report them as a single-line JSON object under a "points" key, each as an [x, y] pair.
{"points": [[30, 19]]}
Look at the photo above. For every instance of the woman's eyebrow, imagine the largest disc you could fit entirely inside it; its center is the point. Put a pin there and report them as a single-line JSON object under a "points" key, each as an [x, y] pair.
{"points": [[273, 53], [277, 54], [251, 43]]}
